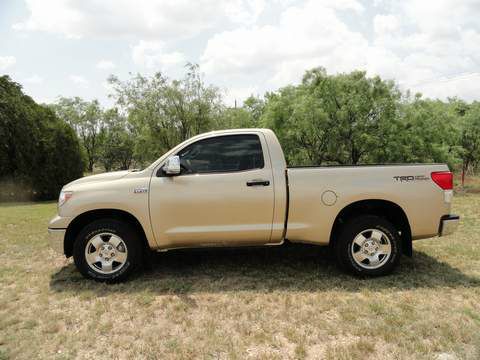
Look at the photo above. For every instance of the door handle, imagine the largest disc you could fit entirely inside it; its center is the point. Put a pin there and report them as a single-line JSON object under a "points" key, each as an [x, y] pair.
{"points": [[258, 182]]}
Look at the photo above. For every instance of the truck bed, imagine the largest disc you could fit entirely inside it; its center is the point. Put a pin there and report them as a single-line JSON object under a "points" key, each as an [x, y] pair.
{"points": [[318, 193]]}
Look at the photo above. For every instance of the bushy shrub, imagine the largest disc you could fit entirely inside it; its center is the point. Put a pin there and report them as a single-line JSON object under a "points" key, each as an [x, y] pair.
{"points": [[38, 152]]}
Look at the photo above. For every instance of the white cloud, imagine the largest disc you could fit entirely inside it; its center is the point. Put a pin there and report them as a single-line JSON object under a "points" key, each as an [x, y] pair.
{"points": [[148, 19], [342, 5], [105, 65], [429, 45], [306, 36], [466, 86], [7, 61], [384, 24], [244, 11], [444, 18], [151, 54], [261, 45], [412, 41], [34, 79], [79, 80]]}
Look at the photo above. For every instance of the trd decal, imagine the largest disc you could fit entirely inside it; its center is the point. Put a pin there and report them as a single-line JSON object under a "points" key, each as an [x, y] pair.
{"points": [[408, 178]]}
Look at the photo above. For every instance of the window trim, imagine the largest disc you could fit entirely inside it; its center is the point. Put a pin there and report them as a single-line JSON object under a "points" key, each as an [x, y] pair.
{"points": [[161, 173]]}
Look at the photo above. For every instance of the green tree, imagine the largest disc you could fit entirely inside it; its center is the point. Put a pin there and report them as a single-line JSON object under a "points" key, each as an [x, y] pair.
{"points": [[163, 112], [425, 131], [38, 152], [247, 116], [470, 138], [255, 106], [333, 118], [117, 145], [86, 117], [300, 128], [235, 118]]}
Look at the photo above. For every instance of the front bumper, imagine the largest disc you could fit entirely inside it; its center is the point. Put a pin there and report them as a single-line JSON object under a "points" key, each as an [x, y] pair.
{"points": [[56, 238], [448, 224]]}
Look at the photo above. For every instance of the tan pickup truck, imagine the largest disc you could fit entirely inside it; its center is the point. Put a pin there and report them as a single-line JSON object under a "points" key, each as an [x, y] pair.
{"points": [[233, 188]]}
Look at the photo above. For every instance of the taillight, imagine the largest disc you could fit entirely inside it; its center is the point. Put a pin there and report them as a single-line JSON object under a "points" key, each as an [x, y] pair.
{"points": [[444, 179]]}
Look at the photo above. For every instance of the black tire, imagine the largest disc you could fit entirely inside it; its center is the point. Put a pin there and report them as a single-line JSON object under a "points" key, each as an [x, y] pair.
{"points": [[121, 229], [349, 231]]}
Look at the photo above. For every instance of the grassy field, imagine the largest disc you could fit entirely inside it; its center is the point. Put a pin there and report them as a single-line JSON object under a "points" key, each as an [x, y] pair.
{"points": [[275, 303]]}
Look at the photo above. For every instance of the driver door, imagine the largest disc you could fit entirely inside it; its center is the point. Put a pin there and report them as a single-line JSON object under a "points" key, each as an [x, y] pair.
{"points": [[223, 196]]}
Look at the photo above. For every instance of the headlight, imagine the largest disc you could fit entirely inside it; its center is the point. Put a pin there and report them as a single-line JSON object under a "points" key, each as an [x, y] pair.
{"points": [[64, 196]]}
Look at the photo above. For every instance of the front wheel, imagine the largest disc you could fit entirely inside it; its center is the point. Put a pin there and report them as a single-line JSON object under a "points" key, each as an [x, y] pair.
{"points": [[368, 245], [107, 250]]}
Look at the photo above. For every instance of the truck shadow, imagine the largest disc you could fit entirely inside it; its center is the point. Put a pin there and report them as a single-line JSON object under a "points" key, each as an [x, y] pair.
{"points": [[285, 268]]}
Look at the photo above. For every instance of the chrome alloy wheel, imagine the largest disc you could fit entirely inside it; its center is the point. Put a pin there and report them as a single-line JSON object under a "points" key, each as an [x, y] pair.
{"points": [[371, 249], [106, 253]]}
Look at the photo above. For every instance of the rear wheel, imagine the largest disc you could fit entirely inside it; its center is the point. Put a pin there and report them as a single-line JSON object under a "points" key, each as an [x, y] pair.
{"points": [[107, 250], [368, 245]]}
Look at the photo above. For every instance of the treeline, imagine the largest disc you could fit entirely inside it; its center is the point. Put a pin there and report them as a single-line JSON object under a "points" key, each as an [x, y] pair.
{"points": [[326, 119], [344, 118]]}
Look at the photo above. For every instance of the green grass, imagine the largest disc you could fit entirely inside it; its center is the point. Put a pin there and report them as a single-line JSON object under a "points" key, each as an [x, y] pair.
{"points": [[268, 303]]}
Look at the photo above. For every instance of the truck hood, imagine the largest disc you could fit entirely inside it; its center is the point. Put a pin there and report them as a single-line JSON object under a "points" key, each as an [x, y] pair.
{"points": [[115, 175]]}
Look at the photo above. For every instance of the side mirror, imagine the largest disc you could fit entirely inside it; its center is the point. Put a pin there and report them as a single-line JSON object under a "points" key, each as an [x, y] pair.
{"points": [[172, 165]]}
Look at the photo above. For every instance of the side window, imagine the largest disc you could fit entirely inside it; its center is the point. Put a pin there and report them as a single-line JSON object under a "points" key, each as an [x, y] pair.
{"points": [[222, 154]]}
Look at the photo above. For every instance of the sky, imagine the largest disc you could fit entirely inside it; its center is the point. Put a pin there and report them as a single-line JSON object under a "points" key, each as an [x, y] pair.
{"points": [[246, 47]]}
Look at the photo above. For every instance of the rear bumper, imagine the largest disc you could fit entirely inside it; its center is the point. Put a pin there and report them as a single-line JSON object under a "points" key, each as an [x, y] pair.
{"points": [[448, 224], [56, 238]]}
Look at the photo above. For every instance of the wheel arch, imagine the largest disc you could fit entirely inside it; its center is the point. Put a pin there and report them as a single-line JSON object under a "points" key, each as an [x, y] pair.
{"points": [[383, 208], [87, 217]]}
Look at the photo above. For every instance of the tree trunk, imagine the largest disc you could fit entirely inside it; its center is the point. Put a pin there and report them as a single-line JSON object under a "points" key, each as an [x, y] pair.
{"points": [[354, 155]]}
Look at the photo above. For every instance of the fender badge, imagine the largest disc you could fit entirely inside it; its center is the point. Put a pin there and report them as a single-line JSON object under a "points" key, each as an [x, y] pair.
{"points": [[140, 190]]}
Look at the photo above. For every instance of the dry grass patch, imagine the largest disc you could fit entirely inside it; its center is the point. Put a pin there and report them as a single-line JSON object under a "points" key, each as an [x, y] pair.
{"points": [[269, 303]]}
